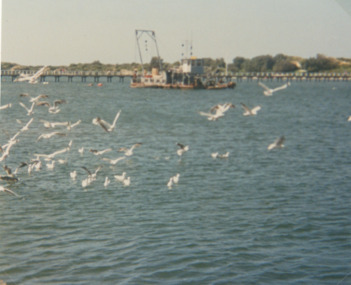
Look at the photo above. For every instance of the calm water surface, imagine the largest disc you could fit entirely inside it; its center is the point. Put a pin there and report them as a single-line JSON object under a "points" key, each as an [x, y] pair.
{"points": [[257, 217]]}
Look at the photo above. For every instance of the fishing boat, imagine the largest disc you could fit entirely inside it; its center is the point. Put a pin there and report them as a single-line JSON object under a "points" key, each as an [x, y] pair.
{"points": [[189, 75]]}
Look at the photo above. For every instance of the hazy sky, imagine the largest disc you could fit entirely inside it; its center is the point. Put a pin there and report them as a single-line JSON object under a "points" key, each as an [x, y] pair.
{"points": [[51, 32]]}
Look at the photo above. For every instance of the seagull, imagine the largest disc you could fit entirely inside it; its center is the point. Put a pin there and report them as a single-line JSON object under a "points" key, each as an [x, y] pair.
{"points": [[48, 124], [107, 181], [225, 155], [113, 161], [126, 181], [6, 152], [269, 91], [51, 165], [3, 107], [216, 154], [37, 164], [129, 151], [170, 183], [250, 112], [278, 143], [52, 155], [222, 107], [176, 178], [96, 152], [62, 161], [173, 180], [120, 178], [34, 164], [105, 125], [10, 176], [217, 111], [71, 126], [26, 126], [50, 135], [34, 99], [23, 164], [349, 119], [7, 170], [182, 149], [211, 116], [54, 108], [29, 110], [91, 176], [7, 190], [73, 175], [81, 150], [87, 181]]}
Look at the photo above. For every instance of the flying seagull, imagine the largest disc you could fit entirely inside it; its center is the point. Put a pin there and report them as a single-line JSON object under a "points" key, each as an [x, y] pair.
{"points": [[7, 190], [250, 112], [100, 152], [113, 161], [217, 111], [182, 149], [105, 125], [29, 110], [278, 143], [49, 135], [54, 108], [33, 99], [26, 126], [129, 151], [3, 107], [269, 91]]}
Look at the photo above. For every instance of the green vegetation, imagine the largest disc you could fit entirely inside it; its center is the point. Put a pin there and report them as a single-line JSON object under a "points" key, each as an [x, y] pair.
{"points": [[284, 63], [262, 63]]}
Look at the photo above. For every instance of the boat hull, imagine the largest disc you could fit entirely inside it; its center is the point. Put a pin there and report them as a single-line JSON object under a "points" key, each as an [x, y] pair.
{"points": [[230, 85]]}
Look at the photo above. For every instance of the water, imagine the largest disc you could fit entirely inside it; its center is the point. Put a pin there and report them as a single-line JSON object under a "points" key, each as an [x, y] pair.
{"points": [[258, 217]]}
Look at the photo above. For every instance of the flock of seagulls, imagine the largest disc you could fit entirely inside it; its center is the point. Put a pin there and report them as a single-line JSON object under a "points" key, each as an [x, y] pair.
{"points": [[53, 158], [35, 163]]}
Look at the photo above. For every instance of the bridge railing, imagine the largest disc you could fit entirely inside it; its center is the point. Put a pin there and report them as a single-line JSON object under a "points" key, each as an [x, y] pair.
{"points": [[65, 73]]}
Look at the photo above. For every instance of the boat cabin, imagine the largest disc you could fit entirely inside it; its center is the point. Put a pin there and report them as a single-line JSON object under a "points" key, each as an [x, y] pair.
{"points": [[192, 65]]}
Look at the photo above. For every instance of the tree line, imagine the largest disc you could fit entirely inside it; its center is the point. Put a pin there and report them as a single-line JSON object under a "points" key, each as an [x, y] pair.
{"points": [[262, 63], [284, 63]]}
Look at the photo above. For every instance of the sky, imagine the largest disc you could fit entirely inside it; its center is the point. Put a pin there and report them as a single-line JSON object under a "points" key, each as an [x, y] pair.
{"points": [[51, 32]]}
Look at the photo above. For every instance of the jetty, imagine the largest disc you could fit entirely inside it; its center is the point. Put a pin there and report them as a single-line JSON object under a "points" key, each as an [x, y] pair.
{"points": [[97, 76], [68, 76]]}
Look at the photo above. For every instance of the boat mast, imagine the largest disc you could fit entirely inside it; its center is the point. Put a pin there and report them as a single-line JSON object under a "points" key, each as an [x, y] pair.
{"points": [[152, 35]]}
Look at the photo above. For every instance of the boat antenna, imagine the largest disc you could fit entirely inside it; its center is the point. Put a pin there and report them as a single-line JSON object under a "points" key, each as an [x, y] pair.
{"points": [[152, 35]]}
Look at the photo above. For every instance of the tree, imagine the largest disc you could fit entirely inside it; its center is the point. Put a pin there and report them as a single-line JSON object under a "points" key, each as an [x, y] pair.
{"points": [[320, 63], [155, 62], [238, 62], [261, 63]]}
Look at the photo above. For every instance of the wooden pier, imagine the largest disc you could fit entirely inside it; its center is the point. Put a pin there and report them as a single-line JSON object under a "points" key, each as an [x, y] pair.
{"points": [[92, 76], [57, 76]]}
